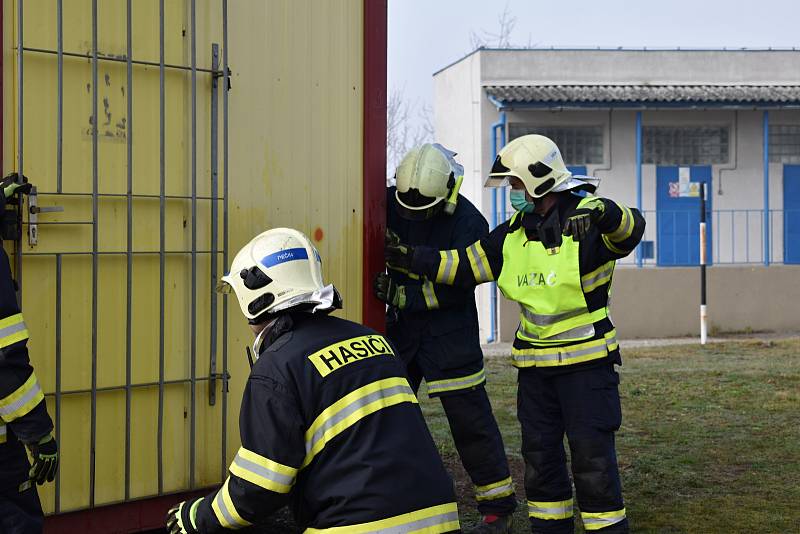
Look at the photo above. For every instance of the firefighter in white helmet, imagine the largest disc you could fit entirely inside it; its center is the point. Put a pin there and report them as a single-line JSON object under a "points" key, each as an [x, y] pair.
{"points": [[555, 257], [329, 423], [435, 326]]}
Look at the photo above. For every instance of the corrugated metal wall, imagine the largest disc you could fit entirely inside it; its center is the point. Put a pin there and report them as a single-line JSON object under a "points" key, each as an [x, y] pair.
{"points": [[294, 159], [295, 139]]}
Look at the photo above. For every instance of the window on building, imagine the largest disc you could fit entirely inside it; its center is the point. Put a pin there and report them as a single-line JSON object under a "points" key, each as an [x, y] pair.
{"points": [[579, 145], [784, 143], [685, 145]]}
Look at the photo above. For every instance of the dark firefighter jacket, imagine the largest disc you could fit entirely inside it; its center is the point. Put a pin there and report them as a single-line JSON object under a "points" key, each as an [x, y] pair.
{"points": [[330, 426], [23, 412], [518, 241], [433, 308]]}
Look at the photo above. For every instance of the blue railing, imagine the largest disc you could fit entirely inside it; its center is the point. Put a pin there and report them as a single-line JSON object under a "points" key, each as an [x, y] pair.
{"points": [[736, 237]]}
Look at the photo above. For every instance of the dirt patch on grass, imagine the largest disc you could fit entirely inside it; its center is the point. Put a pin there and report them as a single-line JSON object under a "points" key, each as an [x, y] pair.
{"points": [[465, 490]]}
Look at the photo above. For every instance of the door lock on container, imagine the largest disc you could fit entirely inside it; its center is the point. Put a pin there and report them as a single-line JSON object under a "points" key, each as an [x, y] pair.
{"points": [[34, 209]]}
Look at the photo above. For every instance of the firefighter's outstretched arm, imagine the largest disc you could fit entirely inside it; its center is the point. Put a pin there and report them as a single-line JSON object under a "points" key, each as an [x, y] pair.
{"points": [[621, 227], [263, 472], [466, 267], [22, 406]]}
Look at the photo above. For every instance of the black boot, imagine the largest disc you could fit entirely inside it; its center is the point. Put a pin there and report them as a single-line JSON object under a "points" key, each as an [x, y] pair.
{"points": [[492, 524]]}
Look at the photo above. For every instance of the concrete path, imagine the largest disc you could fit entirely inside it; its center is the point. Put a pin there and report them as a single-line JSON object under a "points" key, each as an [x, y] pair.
{"points": [[504, 349]]}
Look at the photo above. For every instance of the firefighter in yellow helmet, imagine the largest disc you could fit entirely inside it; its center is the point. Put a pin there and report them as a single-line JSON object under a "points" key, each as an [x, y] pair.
{"points": [[329, 423], [24, 421], [435, 326], [556, 258]]}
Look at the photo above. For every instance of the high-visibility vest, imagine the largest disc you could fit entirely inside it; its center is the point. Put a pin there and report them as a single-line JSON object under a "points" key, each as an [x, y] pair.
{"points": [[550, 291]]}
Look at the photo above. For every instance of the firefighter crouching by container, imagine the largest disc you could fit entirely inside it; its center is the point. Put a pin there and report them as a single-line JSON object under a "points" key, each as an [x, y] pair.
{"points": [[24, 421], [556, 258], [329, 423], [435, 326]]}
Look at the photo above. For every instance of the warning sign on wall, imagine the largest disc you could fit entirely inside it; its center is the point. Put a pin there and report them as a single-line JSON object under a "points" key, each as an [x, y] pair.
{"points": [[684, 189]]}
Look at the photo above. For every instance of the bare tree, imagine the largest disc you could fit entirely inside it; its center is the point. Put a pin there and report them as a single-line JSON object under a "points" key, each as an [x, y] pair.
{"points": [[506, 22], [406, 127], [409, 125]]}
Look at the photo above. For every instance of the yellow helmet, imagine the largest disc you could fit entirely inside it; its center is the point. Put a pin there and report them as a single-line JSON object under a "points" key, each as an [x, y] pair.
{"points": [[279, 270], [535, 160], [427, 175]]}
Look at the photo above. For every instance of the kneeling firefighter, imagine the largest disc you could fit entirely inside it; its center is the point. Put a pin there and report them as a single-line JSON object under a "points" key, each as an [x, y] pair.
{"points": [[556, 258], [435, 326], [24, 421], [329, 423]]}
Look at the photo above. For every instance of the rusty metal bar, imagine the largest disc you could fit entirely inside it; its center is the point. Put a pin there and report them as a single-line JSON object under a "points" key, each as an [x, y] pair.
{"points": [[20, 146], [106, 389], [224, 392], [113, 59], [59, 175], [193, 311], [129, 255], [162, 246], [117, 253], [212, 360], [95, 258], [123, 196], [58, 392], [60, 122]]}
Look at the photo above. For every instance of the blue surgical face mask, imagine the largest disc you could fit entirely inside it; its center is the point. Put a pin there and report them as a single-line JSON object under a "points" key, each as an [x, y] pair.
{"points": [[519, 202]]}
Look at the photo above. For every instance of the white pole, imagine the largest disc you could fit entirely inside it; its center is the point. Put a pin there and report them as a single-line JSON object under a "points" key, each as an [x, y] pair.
{"points": [[703, 314]]}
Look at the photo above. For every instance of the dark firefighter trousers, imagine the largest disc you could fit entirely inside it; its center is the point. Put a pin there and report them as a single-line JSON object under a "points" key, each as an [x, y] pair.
{"points": [[585, 405], [476, 436], [20, 511]]}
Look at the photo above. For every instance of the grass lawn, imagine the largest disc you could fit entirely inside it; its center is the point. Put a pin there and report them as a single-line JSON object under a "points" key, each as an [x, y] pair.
{"points": [[709, 443]]}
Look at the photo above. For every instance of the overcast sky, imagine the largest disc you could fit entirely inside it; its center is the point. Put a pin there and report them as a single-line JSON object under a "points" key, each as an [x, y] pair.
{"points": [[427, 35]]}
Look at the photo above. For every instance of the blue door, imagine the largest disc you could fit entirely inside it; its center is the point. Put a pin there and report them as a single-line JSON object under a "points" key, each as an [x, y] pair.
{"points": [[678, 214], [791, 214]]}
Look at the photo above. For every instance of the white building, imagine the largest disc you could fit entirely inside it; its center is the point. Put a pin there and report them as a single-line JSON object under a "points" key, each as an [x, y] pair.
{"points": [[653, 125]]}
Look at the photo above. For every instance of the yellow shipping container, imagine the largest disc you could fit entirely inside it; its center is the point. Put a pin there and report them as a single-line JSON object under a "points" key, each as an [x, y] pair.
{"points": [[162, 175]]}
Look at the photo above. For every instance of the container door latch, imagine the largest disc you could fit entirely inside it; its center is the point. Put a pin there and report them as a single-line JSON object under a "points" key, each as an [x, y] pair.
{"points": [[33, 215]]}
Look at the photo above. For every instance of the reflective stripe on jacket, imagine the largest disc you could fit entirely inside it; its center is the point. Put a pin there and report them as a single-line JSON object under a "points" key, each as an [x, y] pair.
{"points": [[548, 286], [330, 426]]}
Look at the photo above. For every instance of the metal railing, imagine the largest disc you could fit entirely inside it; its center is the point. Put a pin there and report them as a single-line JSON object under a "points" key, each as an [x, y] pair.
{"points": [[736, 237]]}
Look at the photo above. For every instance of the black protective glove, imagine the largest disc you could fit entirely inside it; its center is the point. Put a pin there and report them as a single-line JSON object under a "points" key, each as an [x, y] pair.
{"points": [[10, 186], [181, 517], [45, 460], [397, 254], [388, 291], [582, 219]]}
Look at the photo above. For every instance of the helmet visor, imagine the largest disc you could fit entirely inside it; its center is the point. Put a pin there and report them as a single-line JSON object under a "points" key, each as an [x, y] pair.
{"points": [[418, 214], [498, 176], [415, 206], [413, 199]]}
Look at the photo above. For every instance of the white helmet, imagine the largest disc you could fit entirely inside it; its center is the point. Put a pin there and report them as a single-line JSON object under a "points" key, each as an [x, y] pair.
{"points": [[427, 175], [534, 159], [276, 271]]}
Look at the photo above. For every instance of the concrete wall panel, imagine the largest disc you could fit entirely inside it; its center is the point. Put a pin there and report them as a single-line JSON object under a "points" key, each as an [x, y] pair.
{"points": [[653, 303]]}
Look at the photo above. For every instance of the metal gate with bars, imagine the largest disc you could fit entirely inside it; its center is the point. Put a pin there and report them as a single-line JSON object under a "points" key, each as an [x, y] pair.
{"points": [[117, 122]]}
